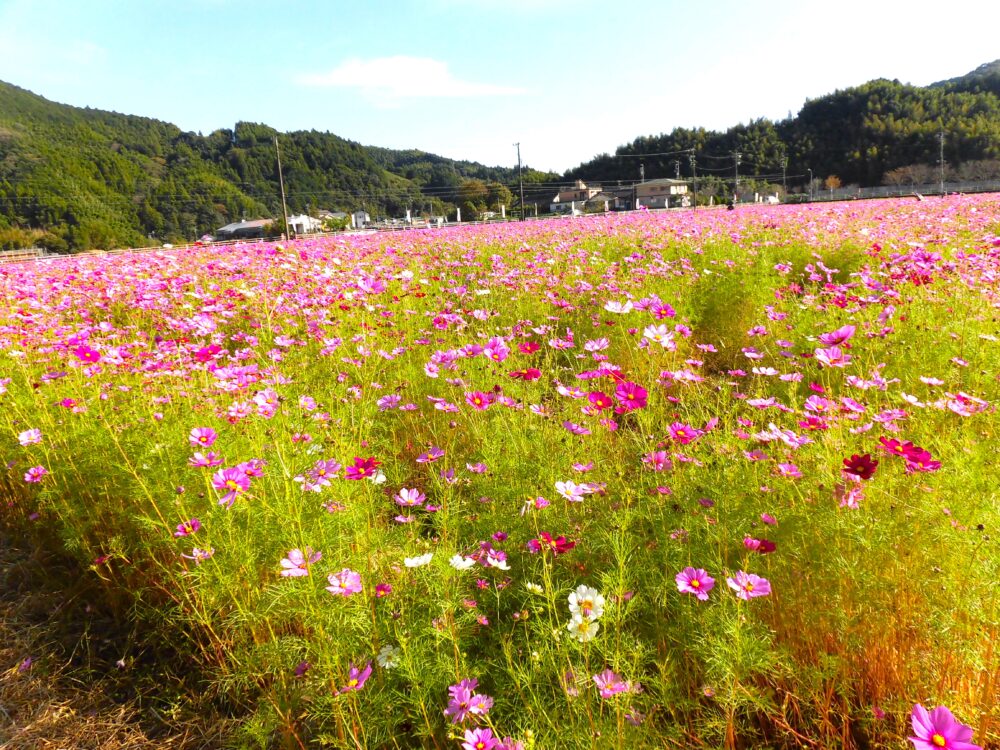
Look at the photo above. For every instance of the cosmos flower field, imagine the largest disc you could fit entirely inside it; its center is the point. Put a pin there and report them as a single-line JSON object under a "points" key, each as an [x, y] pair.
{"points": [[686, 479]]}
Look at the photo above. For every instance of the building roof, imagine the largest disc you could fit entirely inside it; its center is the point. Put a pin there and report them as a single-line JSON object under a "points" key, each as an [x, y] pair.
{"points": [[664, 181], [237, 225]]}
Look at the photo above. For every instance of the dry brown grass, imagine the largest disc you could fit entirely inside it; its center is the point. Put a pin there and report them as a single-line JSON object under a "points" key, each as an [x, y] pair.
{"points": [[63, 701]]}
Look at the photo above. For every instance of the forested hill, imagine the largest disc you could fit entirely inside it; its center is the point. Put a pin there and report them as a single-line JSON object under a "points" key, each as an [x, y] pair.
{"points": [[74, 178], [858, 135]]}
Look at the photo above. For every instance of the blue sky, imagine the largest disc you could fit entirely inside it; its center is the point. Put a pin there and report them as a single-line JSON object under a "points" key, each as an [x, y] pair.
{"points": [[467, 78]]}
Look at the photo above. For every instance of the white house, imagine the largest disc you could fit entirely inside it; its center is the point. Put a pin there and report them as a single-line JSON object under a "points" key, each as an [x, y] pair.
{"points": [[303, 224]]}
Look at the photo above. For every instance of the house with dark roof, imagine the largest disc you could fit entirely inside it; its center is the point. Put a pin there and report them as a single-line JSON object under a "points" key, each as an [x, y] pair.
{"points": [[242, 230]]}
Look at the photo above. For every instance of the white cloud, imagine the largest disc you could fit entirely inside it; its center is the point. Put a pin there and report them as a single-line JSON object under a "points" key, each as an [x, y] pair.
{"points": [[401, 77]]}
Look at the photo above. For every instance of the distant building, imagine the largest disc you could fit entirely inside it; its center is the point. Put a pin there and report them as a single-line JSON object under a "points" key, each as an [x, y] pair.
{"points": [[242, 230], [573, 199], [661, 193], [359, 219], [608, 200], [303, 224], [323, 214]]}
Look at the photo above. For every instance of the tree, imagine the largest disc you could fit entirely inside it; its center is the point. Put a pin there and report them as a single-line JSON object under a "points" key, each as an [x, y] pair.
{"points": [[832, 182], [498, 194]]}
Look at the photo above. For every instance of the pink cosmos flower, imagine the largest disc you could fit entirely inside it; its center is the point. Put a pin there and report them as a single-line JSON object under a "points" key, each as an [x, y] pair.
{"points": [[789, 470], [344, 583], [409, 498], [657, 461], [85, 354], [432, 455], [205, 460], [747, 585], [187, 528], [839, 336], [683, 433], [200, 555], [939, 730], [30, 437], [610, 684], [460, 700], [233, 481], [297, 563], [695, 581], [479, 739], [630, 396], [202, 437], [356, 678], [35, 474], [478, 400], [920, 460], [832, 357]]}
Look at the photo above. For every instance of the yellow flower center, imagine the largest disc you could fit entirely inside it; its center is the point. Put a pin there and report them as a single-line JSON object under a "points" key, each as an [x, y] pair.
{"points": [[232, 484], [748, 586], [695, 583], [939, 741]]}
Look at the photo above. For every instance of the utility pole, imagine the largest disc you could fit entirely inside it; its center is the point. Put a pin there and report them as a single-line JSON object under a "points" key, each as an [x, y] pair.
{"points": [[941, 161], [694, 179], [281, 181], [642, 172], [677, 169], [810, 183], [784, 169], [736, 182], [520, 181]]}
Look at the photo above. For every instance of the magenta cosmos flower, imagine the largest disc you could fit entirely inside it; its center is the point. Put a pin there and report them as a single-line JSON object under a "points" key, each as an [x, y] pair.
{"points": [[85, 354], [187, 528], [479, 739], [939, 730], [344, 583], [695, 581], [232, 481], [362, 468], [297, 563], [356, 678], [747, 585], [630, 396]]}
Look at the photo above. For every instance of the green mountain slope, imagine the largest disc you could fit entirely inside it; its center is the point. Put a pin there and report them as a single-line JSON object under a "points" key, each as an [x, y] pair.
{"points": [[74, 178], [857, 134]]}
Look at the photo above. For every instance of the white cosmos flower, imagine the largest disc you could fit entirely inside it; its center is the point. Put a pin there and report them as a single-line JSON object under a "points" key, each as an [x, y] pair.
{"points": [[388, 657], [418, 561], [534, 588], [613, 306], [458, 562], [586, 603], [581, 629]]}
